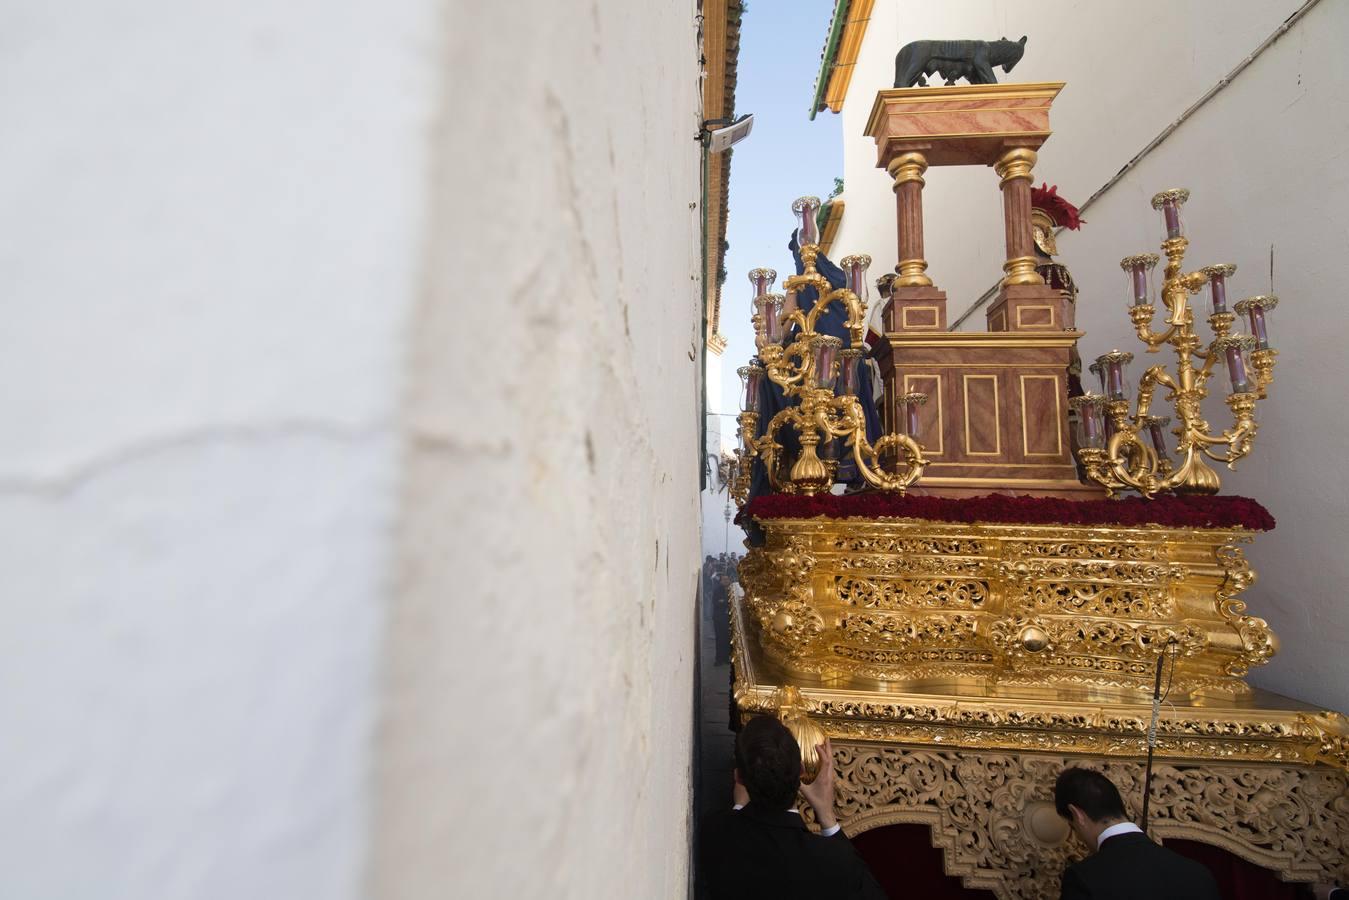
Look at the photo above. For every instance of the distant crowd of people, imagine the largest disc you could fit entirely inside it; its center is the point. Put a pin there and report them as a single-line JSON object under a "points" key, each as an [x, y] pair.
{"points": [[721, 585]]}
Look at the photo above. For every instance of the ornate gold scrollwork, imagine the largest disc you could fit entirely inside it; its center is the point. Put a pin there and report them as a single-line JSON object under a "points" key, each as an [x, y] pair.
{"points": [[821, 416], [1005, 604], [979, 806], [1126, 461], [1257, 640]]}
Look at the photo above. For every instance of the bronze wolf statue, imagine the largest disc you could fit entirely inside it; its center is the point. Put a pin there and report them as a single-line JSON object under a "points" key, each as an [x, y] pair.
{"points": [[972, 60]]}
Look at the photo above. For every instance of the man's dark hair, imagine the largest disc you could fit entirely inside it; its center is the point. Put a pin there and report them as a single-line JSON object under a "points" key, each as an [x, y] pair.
{"points": [[1090, 792], [769, 761]]}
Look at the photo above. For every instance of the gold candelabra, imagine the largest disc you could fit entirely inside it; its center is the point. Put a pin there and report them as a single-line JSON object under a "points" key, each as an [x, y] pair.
{"points": [[1112, 449], [823, 378]]}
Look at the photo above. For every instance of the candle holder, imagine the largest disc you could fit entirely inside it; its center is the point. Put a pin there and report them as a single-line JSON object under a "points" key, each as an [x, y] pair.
{"points": [[751, 377], [849, 371], [1125, 461], [908, 405], [855, 273], [823, 378], [1169, 203], [1217, 287], [1139, 269], [808, 229], [762, 280]]}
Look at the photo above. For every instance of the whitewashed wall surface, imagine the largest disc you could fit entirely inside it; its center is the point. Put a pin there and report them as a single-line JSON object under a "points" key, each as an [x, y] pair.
{"points": [[349, 516]]}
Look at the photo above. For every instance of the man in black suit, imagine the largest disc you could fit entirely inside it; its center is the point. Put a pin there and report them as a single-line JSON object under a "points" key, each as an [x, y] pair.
{"points": [[765, 849], [1126, 864]]}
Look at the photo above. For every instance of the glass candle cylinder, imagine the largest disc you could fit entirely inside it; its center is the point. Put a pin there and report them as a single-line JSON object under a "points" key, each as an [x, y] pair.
{"points": [[855, 274], [1255, 308], [1170, 202], [1234, 348], [908, 407], [1115, 366], [1217, 285], [824, 350], [806, 209], [1155, 424], [751, 378], [1095, 369], [849, 370], [769, 308], [1139, 270], [762, 281], [789, 305], [1090, 420]]}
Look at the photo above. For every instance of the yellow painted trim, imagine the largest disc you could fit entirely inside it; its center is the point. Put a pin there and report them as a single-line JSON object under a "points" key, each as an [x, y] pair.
{"points": [[831, 224], [849, 47]]}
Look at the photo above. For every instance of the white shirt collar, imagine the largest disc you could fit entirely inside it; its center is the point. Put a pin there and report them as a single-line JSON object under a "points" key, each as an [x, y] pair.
{"points": [[1120, 828]]}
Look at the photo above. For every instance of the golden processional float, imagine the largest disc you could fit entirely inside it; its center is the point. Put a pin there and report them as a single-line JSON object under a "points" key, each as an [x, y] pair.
{"points": [[961, 649]]}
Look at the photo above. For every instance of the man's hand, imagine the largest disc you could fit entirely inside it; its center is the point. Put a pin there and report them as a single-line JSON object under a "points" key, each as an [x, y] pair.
{"points": [[820, 792]]}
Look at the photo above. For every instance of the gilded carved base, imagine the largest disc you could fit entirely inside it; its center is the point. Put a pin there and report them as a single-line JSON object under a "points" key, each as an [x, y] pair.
{"points": [[1088, 607], [1262, 776], [991, 812]]}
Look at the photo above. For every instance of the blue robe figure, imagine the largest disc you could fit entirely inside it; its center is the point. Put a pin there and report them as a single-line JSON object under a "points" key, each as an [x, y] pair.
{"points": [[833, 321]]}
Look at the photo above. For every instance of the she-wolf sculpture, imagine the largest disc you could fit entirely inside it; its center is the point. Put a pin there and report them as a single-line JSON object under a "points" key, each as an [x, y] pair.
{"points": [[971, 60]]}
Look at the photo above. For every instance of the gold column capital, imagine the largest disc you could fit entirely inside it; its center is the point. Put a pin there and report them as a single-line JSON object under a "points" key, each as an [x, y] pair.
{"points": [[907, 167], [1015, 163]]}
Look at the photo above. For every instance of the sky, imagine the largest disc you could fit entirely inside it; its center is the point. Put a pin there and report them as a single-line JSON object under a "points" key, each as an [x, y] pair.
{"points": [[786, 156]]}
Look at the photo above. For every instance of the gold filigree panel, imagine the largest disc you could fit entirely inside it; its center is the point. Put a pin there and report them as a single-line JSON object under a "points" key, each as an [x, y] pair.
{"points": [[1015, 605], [979, 805]]}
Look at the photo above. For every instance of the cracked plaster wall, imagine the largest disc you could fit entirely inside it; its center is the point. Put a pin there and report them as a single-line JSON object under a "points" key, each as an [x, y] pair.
{"points": [[213, 219], [336, 335], [536, 730], [1264, 160]]}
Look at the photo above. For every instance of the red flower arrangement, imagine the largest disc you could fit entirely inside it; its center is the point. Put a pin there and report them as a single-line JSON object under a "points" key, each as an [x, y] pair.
{"points": [[1165, 511]]}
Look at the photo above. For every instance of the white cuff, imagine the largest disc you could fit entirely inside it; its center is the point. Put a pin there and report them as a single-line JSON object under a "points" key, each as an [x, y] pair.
{"points": [[831, 830], [738, 806]]}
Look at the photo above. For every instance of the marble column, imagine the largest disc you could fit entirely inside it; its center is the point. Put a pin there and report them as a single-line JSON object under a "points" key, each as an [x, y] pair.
{"points": [[1014, 168], [907, 170]]}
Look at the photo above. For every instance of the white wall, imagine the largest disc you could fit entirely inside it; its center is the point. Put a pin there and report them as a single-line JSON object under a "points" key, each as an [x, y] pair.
{"points": [[211, 220], [1261, 161], [537, 733], [319, 320]]}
